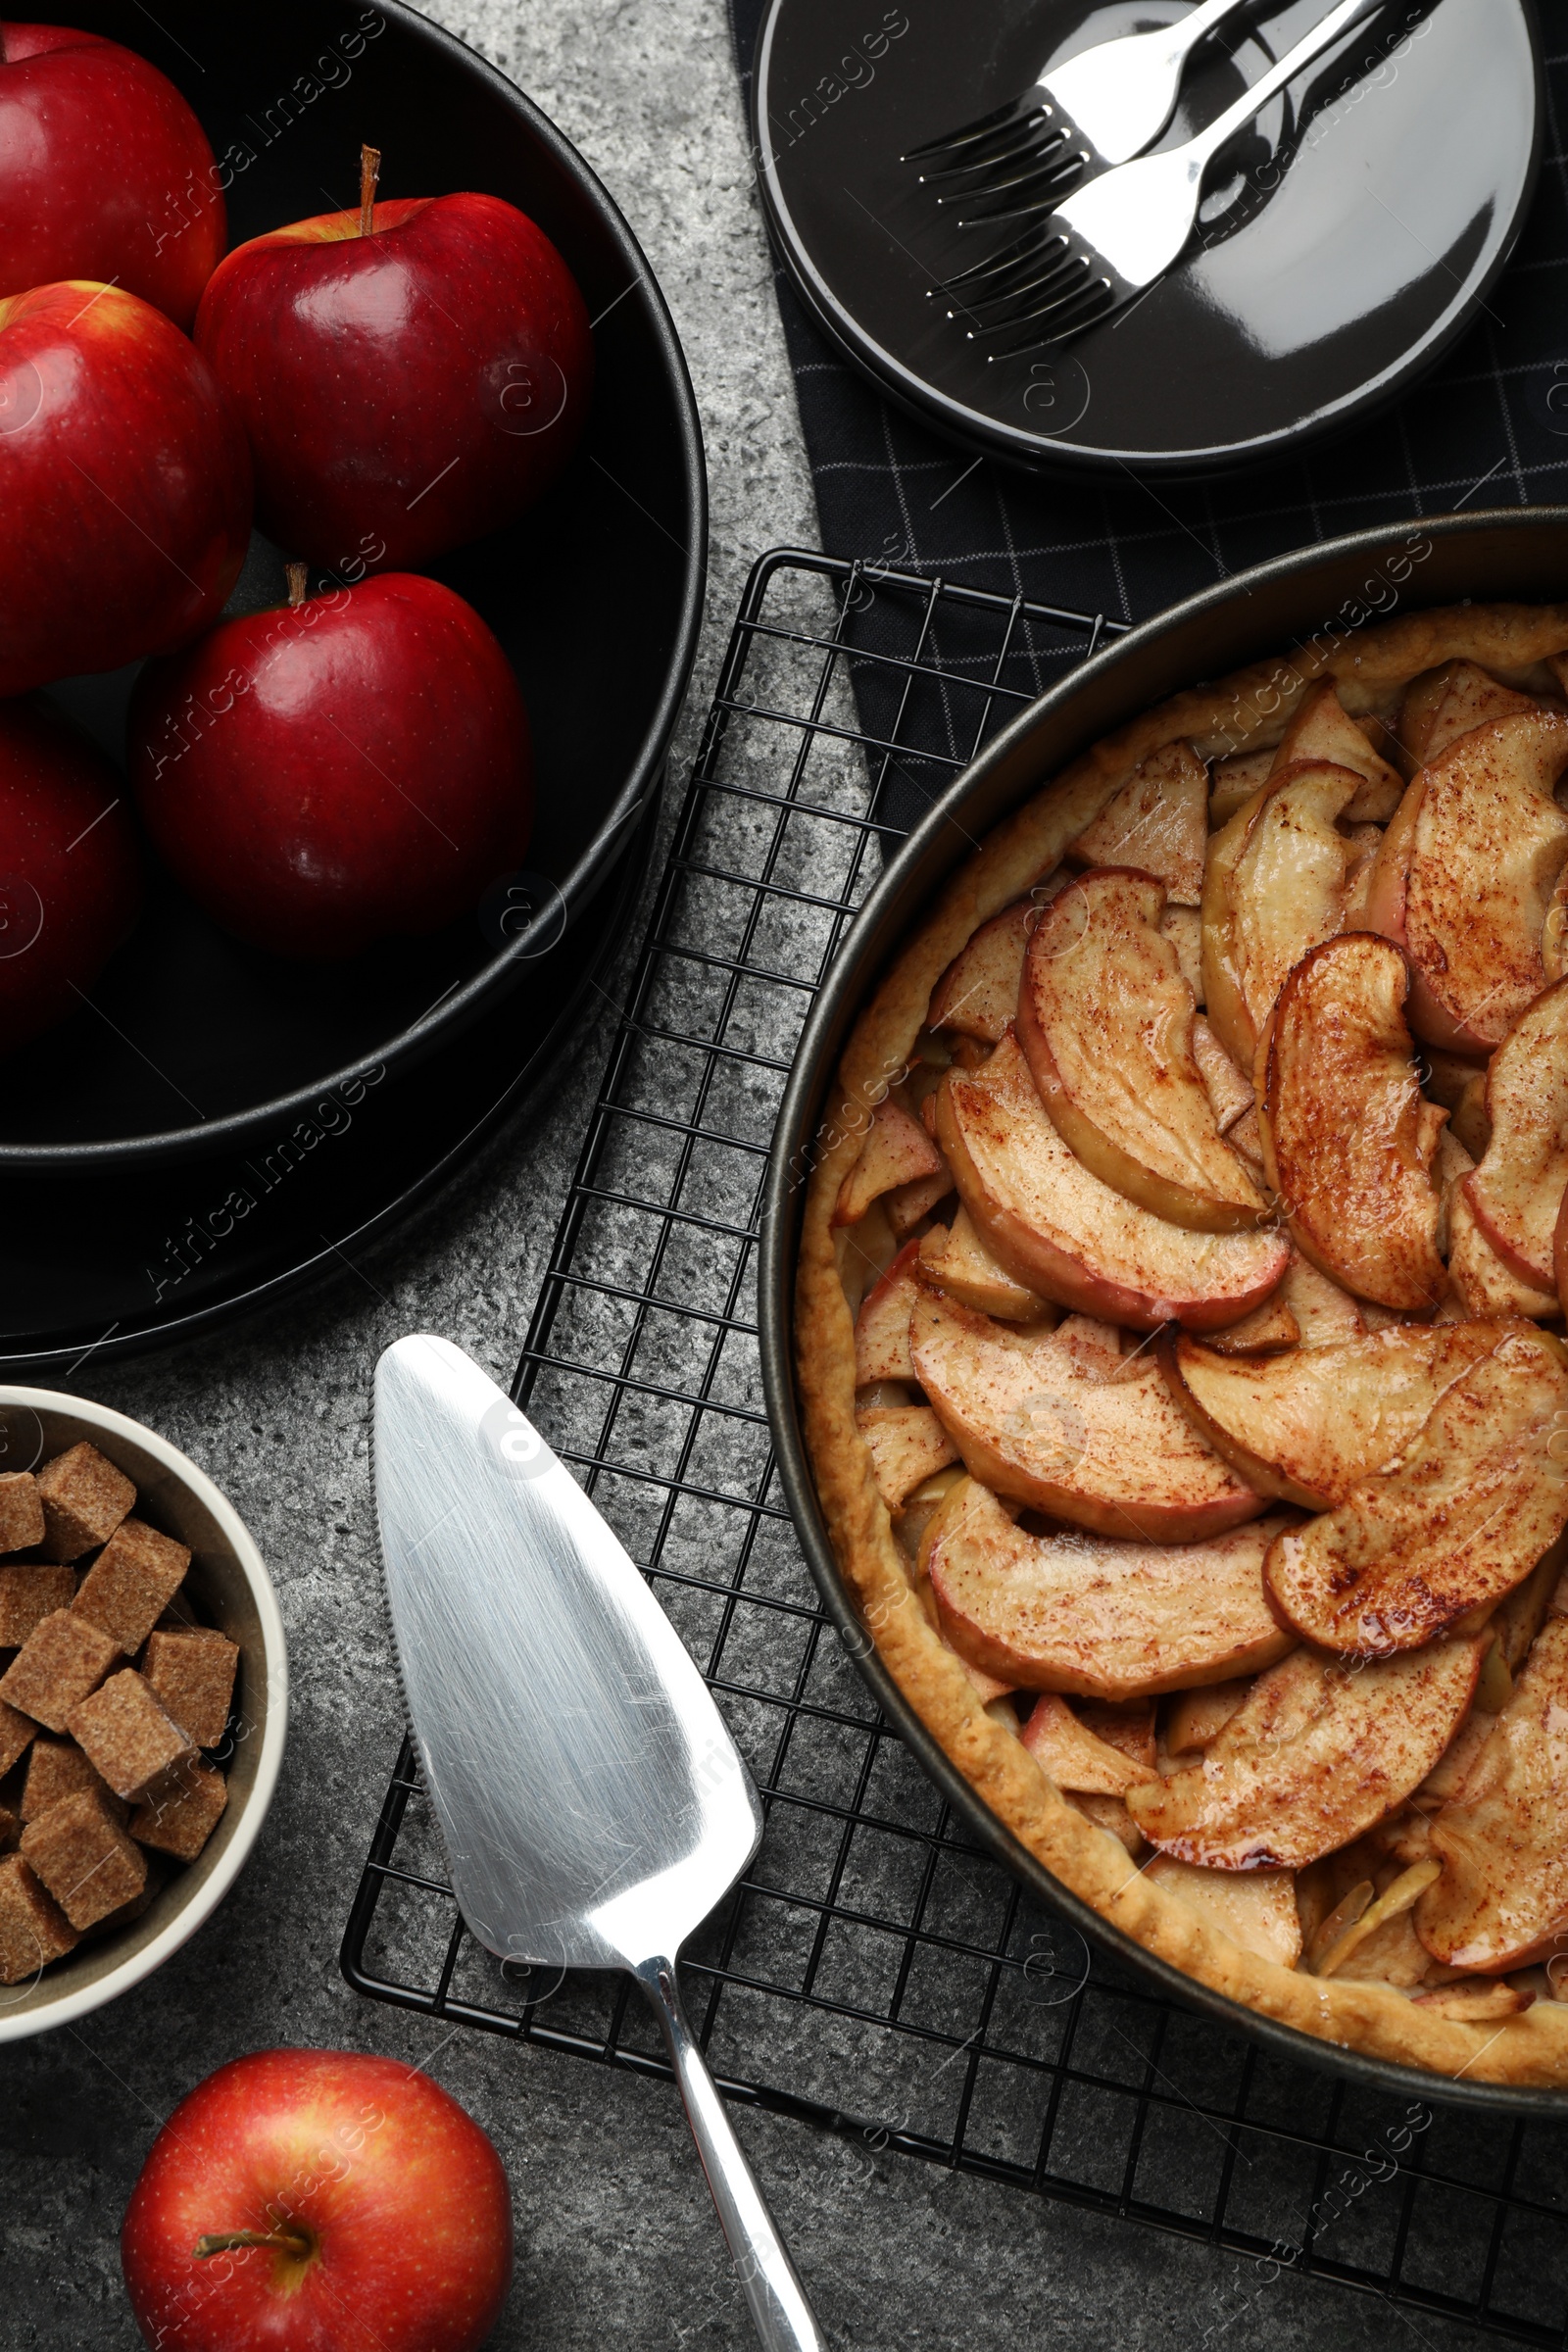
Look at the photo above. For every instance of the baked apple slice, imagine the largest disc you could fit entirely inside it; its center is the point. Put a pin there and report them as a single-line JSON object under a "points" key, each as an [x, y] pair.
{"points": [[1070, 1428], [1229, 1090], [1461, 1086], [1307, 1426], [1481, 1283], [1518, 1189], [1449, 1525], [1089, 1615], [958, 1259], [897, 1151], [1256, 1910], [1063, 1232], [1269, 1329], [1319, 1751], [1349, 1141], [977, 995], [1183, 926], [1323, 730], [1442, 704], [1502, 1899], [1235, 781], [1324, 1313], [882, 1326], [1466, 875], [1069, 1753], [1158, 822], [1106, 1022], [1274, 888], [907, 1443]]}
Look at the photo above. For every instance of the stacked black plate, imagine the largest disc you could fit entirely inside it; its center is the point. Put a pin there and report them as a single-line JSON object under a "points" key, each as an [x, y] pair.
{"points": [[216, 1125]]}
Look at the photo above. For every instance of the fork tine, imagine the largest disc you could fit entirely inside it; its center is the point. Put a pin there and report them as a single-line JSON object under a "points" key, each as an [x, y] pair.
{"points": [[1033, 301], [1051, 155], [1039, 127], [1091, 303], [981, 127], [1025, 249], [1007, 300]]}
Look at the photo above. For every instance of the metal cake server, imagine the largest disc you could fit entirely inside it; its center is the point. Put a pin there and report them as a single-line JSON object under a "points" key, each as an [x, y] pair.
{"points": [[593, 1805]]}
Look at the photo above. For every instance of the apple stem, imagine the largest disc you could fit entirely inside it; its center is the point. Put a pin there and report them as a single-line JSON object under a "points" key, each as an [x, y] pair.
{"points": [[370, 173], [223, 2241], [298, 574]]}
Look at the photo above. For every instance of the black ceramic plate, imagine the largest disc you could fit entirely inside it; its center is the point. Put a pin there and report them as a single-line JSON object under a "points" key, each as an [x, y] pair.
{"points": [[109, 1264], [1343, 243], [197, 1047], [1518, 556]]}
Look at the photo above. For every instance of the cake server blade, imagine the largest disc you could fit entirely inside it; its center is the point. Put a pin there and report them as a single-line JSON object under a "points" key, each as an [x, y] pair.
{"points": [[592, 1804]]}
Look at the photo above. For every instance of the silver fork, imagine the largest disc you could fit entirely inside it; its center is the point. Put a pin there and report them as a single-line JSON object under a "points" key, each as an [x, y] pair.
{"points": [[1111, 240], [1102, 106]]}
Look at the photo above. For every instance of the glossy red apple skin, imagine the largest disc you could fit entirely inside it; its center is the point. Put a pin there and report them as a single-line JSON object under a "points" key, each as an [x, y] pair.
{"points": [[405, 391], [400, 2197], [70, 869], [105, 173], [351, 771], [124, 485]]}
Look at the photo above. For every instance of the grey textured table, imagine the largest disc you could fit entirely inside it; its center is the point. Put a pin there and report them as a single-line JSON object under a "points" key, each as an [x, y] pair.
{"points": [[616, 2239]]}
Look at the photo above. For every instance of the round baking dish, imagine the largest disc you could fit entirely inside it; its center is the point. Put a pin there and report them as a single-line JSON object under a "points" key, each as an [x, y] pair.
{"points": [[229, 1586], [1505, 556], [194, 1046]]}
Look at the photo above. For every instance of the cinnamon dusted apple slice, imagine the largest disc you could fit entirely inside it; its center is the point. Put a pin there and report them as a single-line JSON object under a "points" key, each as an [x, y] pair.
{"points": [[1235, 781], [1319, 1753], [882, 1327], [1198, 1717], [1306, 1427], [1269, 1329], [1229, 1090], [1518, 1189], [1481, 1283], [1502, 1899], [1481, 849], [1257, 1911], [1324, 1314], [1063, 1234], [1442, 704], [1452, 1523], [1051, 1419], [1100, 1618], [1555, 931], [1323, 730], [907, 1445], [1106, 1022], [977, 995], [958, 1262], [897, 1151], [1158, 822], [1274, 888], [1183, 926], [1349, 1141], [1461, 1086], [1072, 1755]]}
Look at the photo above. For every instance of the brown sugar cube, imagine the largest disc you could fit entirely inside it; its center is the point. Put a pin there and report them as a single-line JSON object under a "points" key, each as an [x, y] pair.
{"points": [[131, 1582], [20, 1511], [84, 1859], [126, 1735], [84, 1499], [15, 1729], [28, 1593], [63, 1658], [192, 1678], [33, 1930], [181, 1814], [9, 1829], [123, 1916], [57, 1768]]}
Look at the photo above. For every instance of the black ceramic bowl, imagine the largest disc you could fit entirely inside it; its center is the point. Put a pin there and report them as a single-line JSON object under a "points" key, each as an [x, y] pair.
{"points": [[1502, 556], [196, 1046]]}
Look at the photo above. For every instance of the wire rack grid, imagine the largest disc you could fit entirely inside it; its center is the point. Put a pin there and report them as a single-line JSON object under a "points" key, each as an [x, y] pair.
{"points": [[874, 1972]]}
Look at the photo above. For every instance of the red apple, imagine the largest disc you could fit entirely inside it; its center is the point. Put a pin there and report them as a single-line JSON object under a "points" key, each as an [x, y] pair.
{"points": [[402, 391], [317, 2201], [124, 484], [105, 173], [70, 869], [337, 770]]}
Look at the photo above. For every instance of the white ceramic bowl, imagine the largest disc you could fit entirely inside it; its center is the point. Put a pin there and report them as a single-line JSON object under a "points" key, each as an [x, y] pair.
{"points": [[231, 1589]]}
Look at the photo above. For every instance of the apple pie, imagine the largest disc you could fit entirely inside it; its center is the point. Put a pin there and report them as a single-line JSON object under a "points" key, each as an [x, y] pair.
{"points": [[1179, 1334]]}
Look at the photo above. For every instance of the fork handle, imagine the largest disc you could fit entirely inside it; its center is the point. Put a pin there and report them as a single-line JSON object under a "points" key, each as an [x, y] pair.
{"points": [[774, 2296], [1252, 101]]}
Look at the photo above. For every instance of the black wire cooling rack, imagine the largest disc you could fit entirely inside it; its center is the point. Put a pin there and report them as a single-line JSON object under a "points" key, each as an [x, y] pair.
{"points": [[875, 1973]]}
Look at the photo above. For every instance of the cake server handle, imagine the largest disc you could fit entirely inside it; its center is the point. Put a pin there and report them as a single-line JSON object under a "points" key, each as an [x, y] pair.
{"points": [[780, 2313]]}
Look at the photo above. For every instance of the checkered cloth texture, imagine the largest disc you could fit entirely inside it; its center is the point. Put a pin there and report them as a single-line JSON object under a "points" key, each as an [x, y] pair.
{"points": [[1489, 428]]}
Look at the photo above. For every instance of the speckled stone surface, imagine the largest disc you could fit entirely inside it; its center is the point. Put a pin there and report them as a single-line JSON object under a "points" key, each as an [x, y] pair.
{"points": [[616, 2239]]}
